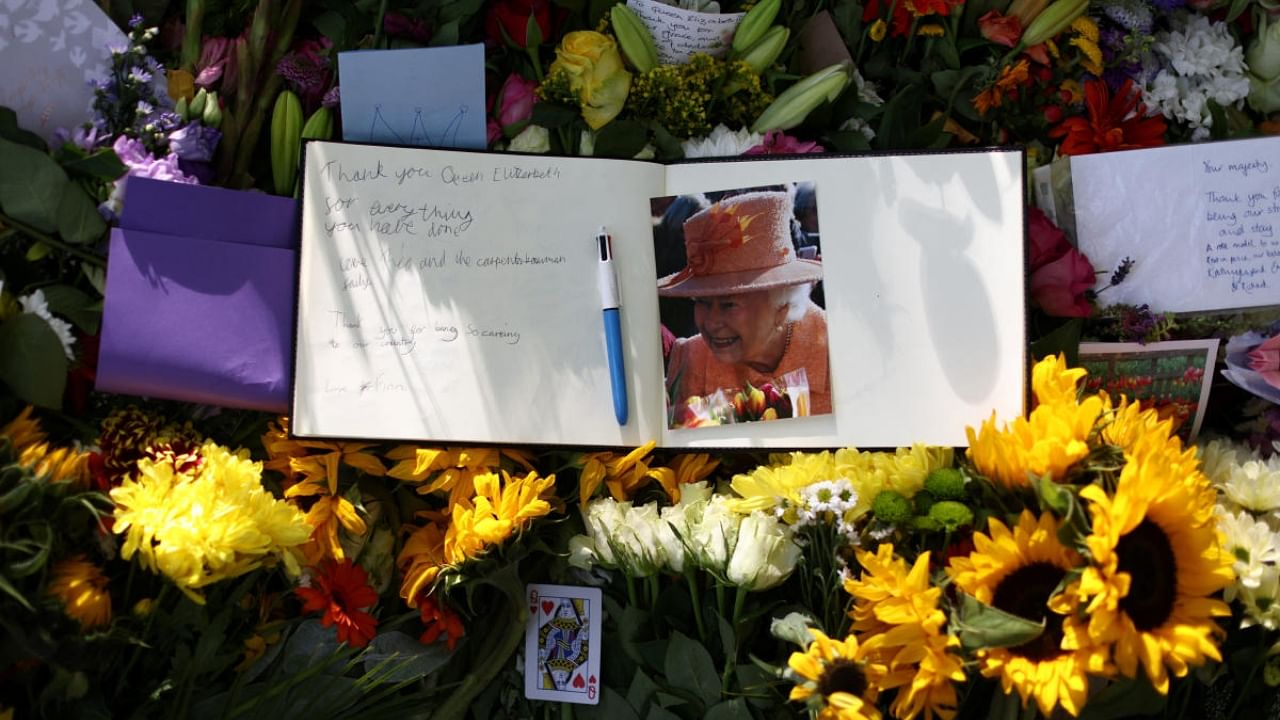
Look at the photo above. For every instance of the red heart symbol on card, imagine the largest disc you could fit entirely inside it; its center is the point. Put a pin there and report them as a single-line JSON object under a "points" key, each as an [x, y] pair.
{"points": [[547, 605], [578, 682]]}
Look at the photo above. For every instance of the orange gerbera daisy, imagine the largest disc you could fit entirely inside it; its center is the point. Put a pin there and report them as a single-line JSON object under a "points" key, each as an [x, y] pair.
{"points": [[1114, 122], [439, 620], [341, 591]]}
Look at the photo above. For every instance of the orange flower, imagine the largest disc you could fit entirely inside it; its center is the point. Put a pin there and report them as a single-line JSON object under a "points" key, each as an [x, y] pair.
{"points": [[1114, 122], [341, 591], [439, 620], [1012, 77]]}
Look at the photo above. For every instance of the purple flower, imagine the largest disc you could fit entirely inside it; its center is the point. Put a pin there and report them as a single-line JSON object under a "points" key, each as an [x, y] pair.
{"points": [[333, 98], [143, 164], [307, 70], [194, 142], [777, 142]]}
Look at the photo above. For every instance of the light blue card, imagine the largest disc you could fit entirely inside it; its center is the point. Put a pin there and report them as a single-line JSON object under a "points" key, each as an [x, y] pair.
{"points": [[419, 96]]}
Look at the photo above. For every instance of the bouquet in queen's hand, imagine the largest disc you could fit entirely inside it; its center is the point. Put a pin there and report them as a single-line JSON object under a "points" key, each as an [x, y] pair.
{"points": [[783, 397]]}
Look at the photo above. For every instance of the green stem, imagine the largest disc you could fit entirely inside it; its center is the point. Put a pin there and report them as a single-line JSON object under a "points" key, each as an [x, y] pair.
{"points": [[720, 598], [146, 632], [195, 28], [631, 592], [696, 600], [377, 29], [60, 245], [652, 582], [739, 601], [475, 682]]}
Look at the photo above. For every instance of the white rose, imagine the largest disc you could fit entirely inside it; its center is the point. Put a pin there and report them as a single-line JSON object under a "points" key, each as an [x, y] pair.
{"points": [[764, 555], [713, 534], [533, 139]]}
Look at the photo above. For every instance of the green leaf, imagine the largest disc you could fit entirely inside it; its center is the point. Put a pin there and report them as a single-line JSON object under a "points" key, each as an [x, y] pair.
{"points": [[612, 707], [410, 658], [1123, 698], [984, 626], [1237, 7], [32, 361], [8, 588], [728, 639], [729, 710], [78, 220], [1063, 339], [446, 34], [621, 139], [10, 130], [642, 688], [37, 251], [75, 305], [688, 666], [31, 186], [102, 165], [532, 32], [660, 713], [551, 116]]}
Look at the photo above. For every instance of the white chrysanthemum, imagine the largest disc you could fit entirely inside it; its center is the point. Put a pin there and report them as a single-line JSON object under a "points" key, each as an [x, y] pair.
{"points": [[721, 142], [1242, 476], [866, 89], [35, 304], [857, 124], [1253, 545], [1260, 603], [1198, 61]]}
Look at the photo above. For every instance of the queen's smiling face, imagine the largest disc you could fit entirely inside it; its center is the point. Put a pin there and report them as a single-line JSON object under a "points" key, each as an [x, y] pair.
{"points": [[744, 328]]}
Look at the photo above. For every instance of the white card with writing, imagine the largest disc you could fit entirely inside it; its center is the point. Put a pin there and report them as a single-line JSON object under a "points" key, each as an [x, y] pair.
{"points": [[679, 33], [50, 50], [562, 644], [1201, 222]]}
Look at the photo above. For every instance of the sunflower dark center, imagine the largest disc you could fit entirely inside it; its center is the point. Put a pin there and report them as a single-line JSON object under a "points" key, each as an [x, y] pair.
{"points": [[842, 675], [1146, 554], [1025, 592]]}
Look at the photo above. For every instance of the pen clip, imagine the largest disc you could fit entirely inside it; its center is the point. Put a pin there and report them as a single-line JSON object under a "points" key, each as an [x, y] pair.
{"points": [[604, 245]]}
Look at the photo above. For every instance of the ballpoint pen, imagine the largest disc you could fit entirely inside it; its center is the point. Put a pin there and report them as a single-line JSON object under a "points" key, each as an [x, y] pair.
{"points": [[608, 283]]}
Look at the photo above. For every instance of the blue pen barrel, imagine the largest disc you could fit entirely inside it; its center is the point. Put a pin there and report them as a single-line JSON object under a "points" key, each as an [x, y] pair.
{"points": [[617, 371]]}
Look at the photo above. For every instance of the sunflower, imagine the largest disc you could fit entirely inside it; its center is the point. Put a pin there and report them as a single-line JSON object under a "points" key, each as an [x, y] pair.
{"points": [[82, 588], [1047, 442], [422, 558], [1017, 571], [499, 510], [833, 680], [1156, 562], [622, 474], [451, 470], [900, 627]]}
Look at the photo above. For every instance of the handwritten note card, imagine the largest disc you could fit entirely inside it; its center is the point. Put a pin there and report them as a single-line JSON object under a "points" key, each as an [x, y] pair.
{"points": [[681, 33], [430, 97], [1201, 222], [442, 297], [50, 50]]}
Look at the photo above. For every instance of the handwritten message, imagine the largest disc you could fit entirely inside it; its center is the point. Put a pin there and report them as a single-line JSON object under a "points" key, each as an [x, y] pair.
{"points": [[678, 33], [1200, 223], [1243, 250]]}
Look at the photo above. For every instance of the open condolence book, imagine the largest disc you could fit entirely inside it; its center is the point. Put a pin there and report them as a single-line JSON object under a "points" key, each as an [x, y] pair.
{"points": [[454, 296]]}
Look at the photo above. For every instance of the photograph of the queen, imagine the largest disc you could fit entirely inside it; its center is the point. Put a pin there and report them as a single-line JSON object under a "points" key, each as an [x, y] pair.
{"points": [[745, 334]]}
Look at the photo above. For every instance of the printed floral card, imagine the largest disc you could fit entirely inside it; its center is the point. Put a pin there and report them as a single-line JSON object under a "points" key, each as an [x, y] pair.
{"points": [[1173, 377]]}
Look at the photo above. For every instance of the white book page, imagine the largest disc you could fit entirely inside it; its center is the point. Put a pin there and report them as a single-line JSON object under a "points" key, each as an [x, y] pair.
{"points": [[452, 296], [1201, 222], [924, 283]]}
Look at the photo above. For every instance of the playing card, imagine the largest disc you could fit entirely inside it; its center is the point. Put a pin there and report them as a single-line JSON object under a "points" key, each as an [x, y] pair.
{"points": [[562, 644]]}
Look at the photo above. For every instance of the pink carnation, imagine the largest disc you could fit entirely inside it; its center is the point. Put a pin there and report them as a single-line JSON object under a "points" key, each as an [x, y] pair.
{"points": [[777, 142]]}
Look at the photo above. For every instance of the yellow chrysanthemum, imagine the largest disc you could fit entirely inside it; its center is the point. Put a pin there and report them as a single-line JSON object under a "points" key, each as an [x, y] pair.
{"points": [[622, 474], [780, 482], [900, 627], [1092, 60], [833, 680], [1086, 27], [82, 588], [1048, 442], [500, 509], [451, 470], [209, 524], [878, 30], [1017, 571], [1156, 563]]}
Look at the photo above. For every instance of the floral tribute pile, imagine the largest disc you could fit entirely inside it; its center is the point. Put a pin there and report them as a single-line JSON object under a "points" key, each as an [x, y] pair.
{"points": [[163, 559]]}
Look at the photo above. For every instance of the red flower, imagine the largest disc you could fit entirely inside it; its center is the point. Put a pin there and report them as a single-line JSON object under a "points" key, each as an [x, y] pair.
{"points": [[341, 590], [1116, 122], [904, 11], [1000, 29], [1060, 274], [439, 620], [512, 17]]}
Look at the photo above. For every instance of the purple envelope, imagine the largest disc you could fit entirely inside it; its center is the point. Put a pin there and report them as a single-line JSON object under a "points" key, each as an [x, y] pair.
{"points": [[199, 297]]}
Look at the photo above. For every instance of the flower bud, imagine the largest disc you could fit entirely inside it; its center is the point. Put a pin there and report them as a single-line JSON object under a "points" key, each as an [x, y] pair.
{"points": [[633, 38], [286, 134], [765, 52], [212, 115], [319, 126], [1026, 10], [1263, 59], [196, 108], [754, 24], [796, 102], [1053, 20], [182, 109]]}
